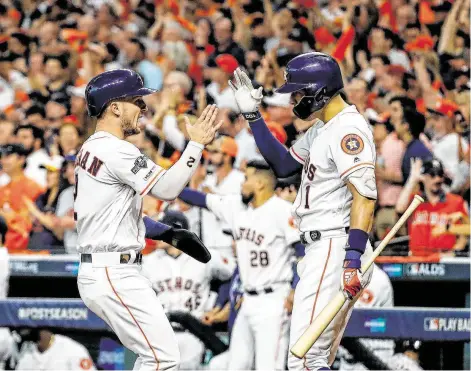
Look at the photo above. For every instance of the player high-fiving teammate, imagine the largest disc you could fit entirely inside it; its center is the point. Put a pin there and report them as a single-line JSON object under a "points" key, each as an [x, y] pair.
{"points": [[335, 203], [112, 176]]}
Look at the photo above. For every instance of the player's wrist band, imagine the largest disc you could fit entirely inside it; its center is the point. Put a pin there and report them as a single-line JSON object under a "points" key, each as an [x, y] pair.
{"points": [[357, 240], [251, 116]]}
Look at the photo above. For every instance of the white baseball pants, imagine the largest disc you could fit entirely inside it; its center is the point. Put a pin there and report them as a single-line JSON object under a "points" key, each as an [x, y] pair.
{"points": [[320, 273], [125, 300], [260, 332], [191, 351]]}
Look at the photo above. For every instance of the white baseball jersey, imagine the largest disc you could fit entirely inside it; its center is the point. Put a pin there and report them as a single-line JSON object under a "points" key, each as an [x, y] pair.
{"points": [[112, 176], [181, 282], [330, 152], [263, 237], [63, 354], [213, 237]]}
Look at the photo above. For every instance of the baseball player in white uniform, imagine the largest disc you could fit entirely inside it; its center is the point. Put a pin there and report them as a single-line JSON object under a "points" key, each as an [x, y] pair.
{"points": [[182, 284], [54, 352], [112, 176], [265, 236], [335, 204]]}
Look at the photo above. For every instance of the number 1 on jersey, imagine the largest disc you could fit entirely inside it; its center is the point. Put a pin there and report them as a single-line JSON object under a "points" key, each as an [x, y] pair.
{"points": [[306, 206], [75, 195]]}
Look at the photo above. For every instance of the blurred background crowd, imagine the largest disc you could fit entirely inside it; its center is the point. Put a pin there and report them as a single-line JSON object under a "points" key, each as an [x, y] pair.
{"points": [[405, 65]]}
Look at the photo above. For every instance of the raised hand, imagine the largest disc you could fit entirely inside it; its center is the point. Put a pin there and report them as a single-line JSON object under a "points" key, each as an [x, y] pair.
{"points": [[248, 99], [204, 129]]}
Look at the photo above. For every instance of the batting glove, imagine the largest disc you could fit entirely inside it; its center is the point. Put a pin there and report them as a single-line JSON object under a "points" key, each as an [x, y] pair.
{"points": [[248, 99], [352, 282]]}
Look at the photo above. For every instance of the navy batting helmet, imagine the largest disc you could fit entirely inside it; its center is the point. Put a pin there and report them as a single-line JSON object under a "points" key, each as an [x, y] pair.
{"points": [[112, 85], [318, 76], [175, 219]]}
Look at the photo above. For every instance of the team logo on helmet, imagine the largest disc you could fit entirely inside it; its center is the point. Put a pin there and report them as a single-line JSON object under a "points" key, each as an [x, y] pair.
{"points": [[352, 144]]}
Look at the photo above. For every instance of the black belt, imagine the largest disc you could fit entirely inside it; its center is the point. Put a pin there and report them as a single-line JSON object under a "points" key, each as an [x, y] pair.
{"points": [[266, 290], [315, 236], [124, 258]]}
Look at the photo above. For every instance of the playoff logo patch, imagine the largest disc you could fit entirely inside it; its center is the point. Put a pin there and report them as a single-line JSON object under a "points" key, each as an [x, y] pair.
{"points": [[352, 144], [140, 163]]}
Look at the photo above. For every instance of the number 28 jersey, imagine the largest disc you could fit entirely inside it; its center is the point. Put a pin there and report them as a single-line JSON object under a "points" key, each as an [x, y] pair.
{"points": [[263, 237], [329, 153]]}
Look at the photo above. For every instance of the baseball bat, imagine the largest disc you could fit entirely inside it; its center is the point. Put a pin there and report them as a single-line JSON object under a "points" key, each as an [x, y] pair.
{"points": [[320, 323]]}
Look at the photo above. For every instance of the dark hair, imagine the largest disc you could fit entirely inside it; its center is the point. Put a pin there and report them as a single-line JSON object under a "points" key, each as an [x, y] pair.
{"points": [[36, 110], [139, 43], [61, 58], [259, 165], [38, 133], [416, 122], [405, 102], [383, 57]]}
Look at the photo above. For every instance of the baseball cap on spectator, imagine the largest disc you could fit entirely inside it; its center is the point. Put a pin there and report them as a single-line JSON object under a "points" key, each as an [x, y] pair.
{"points": [[227, 63], [52, 165], [420, 43], [175, 219], [444, 107], [14, 148], [224, 144], [433, 167]]}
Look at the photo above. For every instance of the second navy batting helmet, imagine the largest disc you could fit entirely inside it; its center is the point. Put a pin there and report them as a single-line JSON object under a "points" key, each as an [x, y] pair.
{"points": [[318, 76], [112, 85]]}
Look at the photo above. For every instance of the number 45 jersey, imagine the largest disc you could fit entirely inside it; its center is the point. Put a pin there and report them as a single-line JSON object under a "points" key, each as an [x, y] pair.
{"points": [[181, 282], [330, 153], [263, 238]]}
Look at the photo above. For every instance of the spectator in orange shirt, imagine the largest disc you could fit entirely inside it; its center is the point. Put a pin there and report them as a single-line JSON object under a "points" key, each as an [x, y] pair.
{"points": [[12, 207], [434, 212]]}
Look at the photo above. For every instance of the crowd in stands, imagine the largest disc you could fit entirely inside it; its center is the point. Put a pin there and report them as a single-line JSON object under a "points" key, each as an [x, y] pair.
{"points": [[405, 65]]}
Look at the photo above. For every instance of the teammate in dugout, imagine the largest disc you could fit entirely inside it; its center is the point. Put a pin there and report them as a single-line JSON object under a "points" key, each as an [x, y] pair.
{"points": [[182, 284], [112, 176], [335, 204], [266, 240]]}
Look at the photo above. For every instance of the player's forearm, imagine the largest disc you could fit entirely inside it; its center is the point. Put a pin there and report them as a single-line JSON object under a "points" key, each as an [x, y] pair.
{"points": [[361, 216], [169, 186], [273, 151], [223, 315], [193, 198], [155, 230]]}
